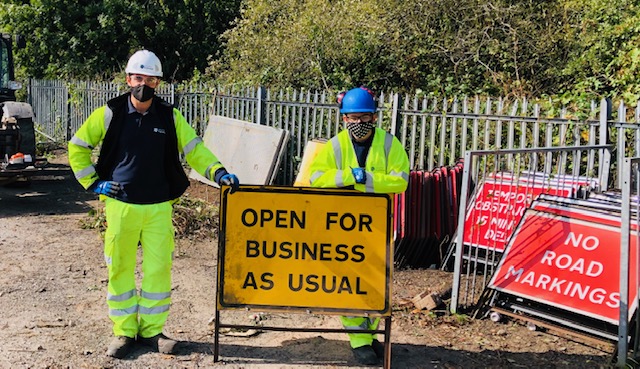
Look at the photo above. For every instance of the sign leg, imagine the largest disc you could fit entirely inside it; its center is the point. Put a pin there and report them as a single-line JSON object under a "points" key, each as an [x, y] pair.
{"points": [[216, 336], [387, 342]]}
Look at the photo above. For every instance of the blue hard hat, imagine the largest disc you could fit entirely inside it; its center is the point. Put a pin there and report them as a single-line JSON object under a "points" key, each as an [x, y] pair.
{"points": [[357, 100]]}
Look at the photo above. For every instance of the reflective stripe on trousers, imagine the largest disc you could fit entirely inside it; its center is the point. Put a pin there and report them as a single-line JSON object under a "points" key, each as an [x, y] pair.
{"points": [[127, 226], [356, 322]]}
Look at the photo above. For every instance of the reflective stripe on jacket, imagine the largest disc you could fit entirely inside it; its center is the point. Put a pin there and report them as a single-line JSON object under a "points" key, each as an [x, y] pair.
{"points": [[386, 168]]}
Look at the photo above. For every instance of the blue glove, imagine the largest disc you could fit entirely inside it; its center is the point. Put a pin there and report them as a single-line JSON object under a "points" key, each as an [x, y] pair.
{"points": [[359, 175], [230, 180], [109, 188]]}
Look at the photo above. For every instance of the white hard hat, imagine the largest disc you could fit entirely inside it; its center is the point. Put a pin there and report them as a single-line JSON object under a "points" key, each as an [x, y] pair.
{"points": [[144, 62]]}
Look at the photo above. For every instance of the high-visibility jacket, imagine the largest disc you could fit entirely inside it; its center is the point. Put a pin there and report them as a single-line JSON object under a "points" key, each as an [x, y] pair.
{"points": [[102, 127], [387, 171], [386, 168]]}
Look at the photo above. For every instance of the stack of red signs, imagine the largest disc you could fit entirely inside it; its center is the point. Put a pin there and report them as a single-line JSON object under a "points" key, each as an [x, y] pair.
{"points": [[426, 216]]}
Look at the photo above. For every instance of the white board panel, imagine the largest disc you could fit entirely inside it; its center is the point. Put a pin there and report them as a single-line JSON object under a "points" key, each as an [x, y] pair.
{"points": [[250, 151]]}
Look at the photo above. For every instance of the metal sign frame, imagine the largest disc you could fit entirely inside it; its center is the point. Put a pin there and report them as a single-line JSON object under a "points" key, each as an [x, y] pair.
{"points": [[383, 205], [477, 165]]}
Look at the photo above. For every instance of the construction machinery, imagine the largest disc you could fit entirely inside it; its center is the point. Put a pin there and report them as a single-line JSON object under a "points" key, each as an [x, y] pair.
{"points": [[18, 161]]}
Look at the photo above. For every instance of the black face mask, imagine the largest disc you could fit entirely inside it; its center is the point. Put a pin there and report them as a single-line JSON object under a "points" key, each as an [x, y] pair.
{"points": [[142, 92]]}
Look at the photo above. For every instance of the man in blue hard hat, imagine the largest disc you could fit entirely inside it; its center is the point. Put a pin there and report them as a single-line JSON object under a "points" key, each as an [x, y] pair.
{"points": [[368, 159]]}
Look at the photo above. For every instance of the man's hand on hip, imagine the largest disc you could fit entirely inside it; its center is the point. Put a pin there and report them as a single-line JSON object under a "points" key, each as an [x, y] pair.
{"points": [[109, 188]]}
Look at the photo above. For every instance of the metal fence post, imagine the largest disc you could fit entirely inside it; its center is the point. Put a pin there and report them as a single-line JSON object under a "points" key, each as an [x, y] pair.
{"points": [[69, 113], [29, 93], [261, 105], [395, 113], [604, 155], [623, 329], [462, 211]]}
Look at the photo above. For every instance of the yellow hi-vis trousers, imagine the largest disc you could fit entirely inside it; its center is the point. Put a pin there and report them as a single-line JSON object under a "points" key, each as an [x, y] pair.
{"points": [[356, 322], [127, 226]]}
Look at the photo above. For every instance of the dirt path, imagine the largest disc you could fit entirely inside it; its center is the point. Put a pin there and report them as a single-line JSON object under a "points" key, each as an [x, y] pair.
{"points": [[54, 315]]}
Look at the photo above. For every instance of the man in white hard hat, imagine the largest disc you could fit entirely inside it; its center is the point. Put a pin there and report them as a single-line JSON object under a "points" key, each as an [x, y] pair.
{"points": [[138, 175]]}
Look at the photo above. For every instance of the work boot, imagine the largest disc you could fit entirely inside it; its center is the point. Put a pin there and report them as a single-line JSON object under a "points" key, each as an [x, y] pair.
{"points": [[365, 355], [378, 348], [120, 346], [160, 343]]}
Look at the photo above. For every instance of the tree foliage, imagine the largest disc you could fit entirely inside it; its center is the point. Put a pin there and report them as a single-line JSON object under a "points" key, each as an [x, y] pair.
{"points": [[471, 46], [82, 39], [497, 47], [607, 55], [557, 48], [305, 43], [468, 46]]}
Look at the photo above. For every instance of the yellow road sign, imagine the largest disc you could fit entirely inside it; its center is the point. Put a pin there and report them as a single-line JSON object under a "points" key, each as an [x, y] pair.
{"points": [[322, 250]]}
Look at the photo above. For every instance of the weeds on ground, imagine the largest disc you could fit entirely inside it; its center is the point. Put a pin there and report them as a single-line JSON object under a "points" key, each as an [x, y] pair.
{"points": [[193, 219]]}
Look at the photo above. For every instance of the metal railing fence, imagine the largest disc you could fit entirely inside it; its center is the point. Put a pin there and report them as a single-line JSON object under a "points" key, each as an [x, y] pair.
{"points": [[50, 104], [435, 131], [546, 169]]}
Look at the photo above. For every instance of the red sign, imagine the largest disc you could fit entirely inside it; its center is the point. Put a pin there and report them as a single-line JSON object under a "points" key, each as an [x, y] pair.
{"points": [[567, 263], [498, 207]]}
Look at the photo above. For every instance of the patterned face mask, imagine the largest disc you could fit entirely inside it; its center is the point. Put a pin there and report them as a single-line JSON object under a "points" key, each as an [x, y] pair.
{"points": [[359, 129]]}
